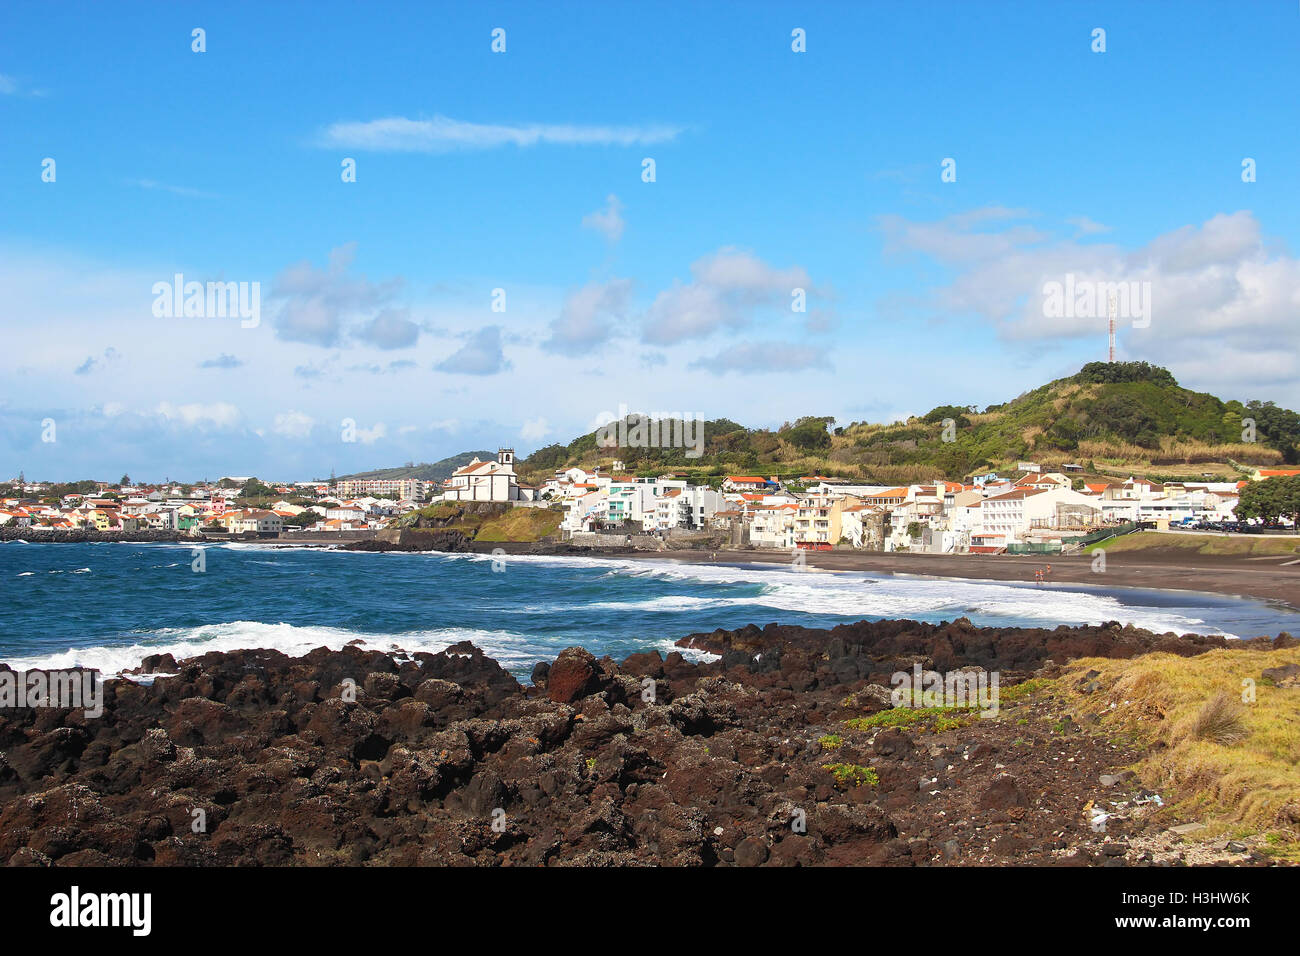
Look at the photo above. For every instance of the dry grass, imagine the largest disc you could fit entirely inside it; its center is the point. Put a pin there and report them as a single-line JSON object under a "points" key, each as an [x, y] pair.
{"points": [[1177, 452], [1220, 720], [1222, 747], [520, 524], [900, 474], [1114, 451], [1192, 452]]}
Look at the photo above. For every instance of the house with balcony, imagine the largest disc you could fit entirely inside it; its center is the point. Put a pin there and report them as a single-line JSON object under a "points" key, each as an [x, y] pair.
{"points": [[1026, 511], [772, 526], [818, 522]]}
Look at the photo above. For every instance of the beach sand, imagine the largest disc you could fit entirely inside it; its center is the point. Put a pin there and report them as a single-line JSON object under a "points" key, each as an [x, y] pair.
{"points": [[1269, 579]]}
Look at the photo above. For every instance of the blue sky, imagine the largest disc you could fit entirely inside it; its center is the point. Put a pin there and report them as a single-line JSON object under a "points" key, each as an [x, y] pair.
{"points": [[522, 171]]}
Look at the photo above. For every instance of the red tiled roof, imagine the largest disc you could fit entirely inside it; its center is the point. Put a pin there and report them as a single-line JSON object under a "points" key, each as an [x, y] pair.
{"points": [[1018, 493], [891, 493]]}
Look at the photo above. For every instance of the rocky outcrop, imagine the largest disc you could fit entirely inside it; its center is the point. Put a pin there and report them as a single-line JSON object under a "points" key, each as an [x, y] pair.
{"points": [[82, 535], [801, 658], [356, 756], [418, 540]]}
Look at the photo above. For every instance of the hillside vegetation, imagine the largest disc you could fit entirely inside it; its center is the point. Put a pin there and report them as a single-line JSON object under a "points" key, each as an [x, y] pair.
{"points": [[1113, 419], [436, 471], [484, 521]]}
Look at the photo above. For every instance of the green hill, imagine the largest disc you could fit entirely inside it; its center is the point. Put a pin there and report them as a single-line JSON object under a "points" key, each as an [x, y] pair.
{"points": [[1111, 418], [437, 471]]}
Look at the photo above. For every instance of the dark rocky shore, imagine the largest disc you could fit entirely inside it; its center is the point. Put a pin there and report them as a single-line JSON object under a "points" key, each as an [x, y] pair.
{"points": [[446, 759], [83, 536]]}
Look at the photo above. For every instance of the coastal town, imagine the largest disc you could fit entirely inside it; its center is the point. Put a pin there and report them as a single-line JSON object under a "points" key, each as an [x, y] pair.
{"points": [[1020, 510]]}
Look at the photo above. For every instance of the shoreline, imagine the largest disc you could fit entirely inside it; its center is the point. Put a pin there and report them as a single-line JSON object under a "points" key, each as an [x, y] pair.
{"points": [[1224, 577], [374, 759], [1272, 579]]}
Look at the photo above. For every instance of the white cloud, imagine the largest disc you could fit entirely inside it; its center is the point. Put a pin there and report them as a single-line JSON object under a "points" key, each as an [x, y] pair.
{"points": [[953, 240], [175, 190], [1224, 301], [480, 355], [320, 304], [200, 415], [758, 357], [390, 329], [368, 436], [608, 221], [92, 363], [1087, 226], [293, 424], [222, 361], [441, 134], [534, 430], [727, 285], [734, 270], [590, 317]]}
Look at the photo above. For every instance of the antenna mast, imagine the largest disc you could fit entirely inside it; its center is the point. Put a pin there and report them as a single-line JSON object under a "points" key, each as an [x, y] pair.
{"points": [[1110, 302]]}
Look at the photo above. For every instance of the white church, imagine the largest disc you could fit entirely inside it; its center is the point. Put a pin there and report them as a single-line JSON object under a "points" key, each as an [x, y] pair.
{"points": [[487, 481]]}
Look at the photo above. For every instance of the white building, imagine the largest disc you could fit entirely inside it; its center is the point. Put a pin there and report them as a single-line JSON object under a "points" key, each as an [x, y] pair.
{"points": [[772, 526], [855, 526], [688, 507], [389, 487], [1016, 513], [635, 500], [585, 511], [486, 481], [256, 520]]}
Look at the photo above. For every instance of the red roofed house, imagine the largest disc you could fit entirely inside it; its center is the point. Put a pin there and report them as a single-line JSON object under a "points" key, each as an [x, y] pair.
{"points": [[744, 483]]}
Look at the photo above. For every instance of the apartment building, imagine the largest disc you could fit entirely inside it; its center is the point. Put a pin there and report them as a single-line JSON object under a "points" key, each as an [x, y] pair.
{"points": [[772, 526], [396, 488], [1016, 513], [817, 520]]}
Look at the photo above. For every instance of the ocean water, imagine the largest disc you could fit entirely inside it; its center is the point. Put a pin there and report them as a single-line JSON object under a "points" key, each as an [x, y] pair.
{"points": [[109, 605]]}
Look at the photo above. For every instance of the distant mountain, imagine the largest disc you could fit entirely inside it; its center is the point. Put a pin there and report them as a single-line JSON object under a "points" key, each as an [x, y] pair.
{"points": [[1109, 418], [438, 471]]}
